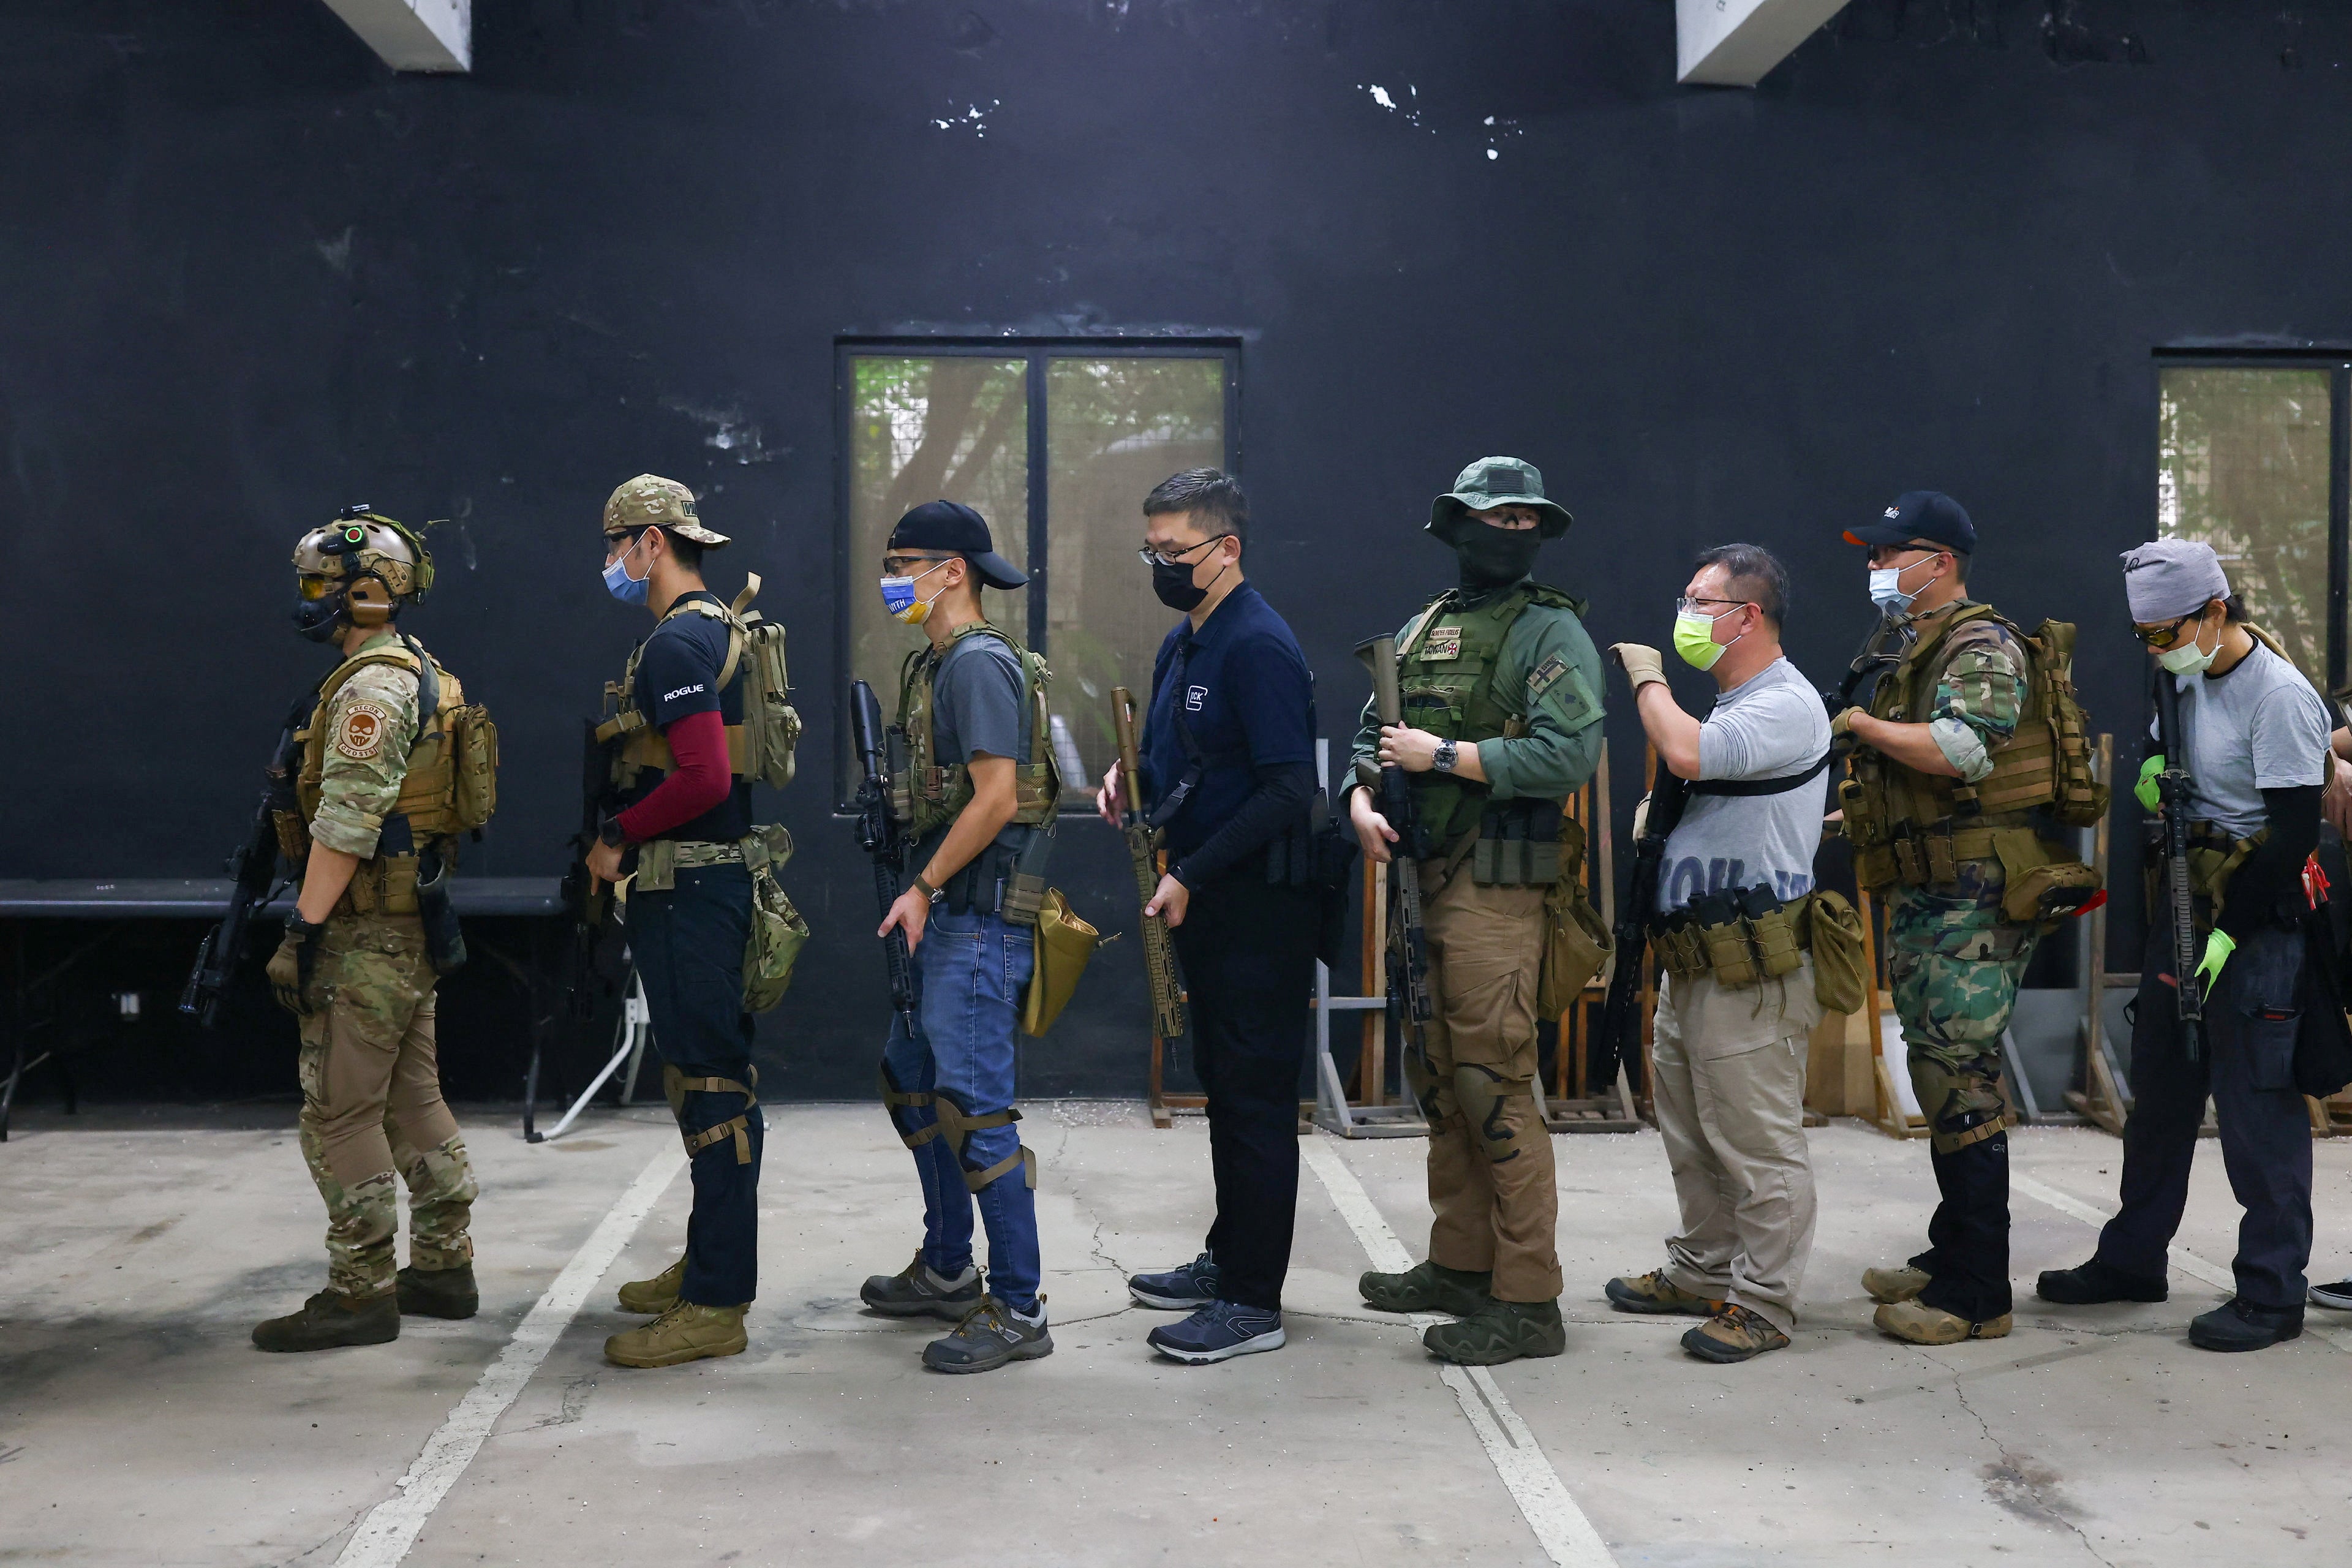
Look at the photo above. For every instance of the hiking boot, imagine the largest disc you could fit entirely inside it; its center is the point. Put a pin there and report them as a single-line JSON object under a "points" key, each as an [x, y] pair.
{"points": [[1654, 1292], [1924, 1325], [684, 1334], [919, 1290], [331, 1319], [1498, 1333], [657, 1295], [1182, 1288], [1427, 1287], [1735, 1333], [1219, 1331], [2095, 1282], [990, 1335], [1892, 1285], [438, 1292], [2238, 1324]]}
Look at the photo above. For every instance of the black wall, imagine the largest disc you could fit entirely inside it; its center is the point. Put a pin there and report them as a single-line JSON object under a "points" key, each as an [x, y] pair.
{"points": [[247, 275]]}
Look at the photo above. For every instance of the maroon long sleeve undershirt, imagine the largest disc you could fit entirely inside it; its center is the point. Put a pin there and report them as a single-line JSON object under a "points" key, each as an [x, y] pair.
{"points": [[697, 741]]}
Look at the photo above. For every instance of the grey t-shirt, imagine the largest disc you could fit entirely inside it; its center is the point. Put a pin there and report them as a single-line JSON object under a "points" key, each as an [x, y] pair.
{"points": [[1769, 725], [2260, 727], [976, 707]]}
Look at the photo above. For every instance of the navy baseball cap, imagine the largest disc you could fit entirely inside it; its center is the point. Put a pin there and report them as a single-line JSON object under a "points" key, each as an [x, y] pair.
{"points": [[956, 528], [1930, 515]]}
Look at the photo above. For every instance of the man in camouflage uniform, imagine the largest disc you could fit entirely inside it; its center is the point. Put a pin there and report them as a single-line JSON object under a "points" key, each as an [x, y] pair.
{"points": [[1501, 695], [1950, 689], [355, 965]]}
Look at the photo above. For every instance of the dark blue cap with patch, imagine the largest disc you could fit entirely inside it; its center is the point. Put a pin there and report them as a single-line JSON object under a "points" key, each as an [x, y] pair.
{"points": [[1928, 515]]}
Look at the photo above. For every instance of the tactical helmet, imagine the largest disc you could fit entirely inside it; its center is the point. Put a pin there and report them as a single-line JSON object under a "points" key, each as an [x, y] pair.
{"points": [[1493, 482], [359, 569], [651, 502]]}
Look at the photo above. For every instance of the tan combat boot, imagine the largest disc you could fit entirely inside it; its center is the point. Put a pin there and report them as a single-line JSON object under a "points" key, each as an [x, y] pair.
{"points": [[1924, 1325], [1734, 1334], [1892, 1285], [1654, 1292], [657, 1295], [684, 1334]]}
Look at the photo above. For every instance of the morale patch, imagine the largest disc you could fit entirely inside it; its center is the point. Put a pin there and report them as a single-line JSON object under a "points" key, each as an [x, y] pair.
{"points": [[1546, 675], [360, 734], [1445, 642]]}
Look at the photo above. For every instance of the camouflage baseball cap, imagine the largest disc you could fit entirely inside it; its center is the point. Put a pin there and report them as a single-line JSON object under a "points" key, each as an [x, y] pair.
{"points": [[651, 502], [1496, 482]]}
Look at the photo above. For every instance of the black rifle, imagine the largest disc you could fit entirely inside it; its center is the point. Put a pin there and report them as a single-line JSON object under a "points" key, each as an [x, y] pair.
{"points": [[585, 905], [1619, 1040], [1409, 978], [878, 832], [2172, 787], [253, 871]]}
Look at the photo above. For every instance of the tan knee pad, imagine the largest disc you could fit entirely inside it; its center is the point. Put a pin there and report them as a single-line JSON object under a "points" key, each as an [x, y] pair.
{"points": [[957, 1128], [1485, 1096]]}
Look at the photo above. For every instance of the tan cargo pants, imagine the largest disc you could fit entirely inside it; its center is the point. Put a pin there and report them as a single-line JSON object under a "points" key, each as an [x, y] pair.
{"points": [[1729, 1087], [1491, 1188], [372, 1105]]}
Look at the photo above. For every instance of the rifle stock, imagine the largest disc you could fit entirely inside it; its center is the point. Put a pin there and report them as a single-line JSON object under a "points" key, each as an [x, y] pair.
{"points": [[1168, 1020], [1619, 1040], [1409, 974], [2173, 785], [877, 833], [253, 873]]}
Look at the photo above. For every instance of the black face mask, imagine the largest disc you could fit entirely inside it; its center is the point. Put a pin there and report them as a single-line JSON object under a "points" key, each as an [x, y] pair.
{"points": [[1172, 582], [320, 619], [1495, 557]]}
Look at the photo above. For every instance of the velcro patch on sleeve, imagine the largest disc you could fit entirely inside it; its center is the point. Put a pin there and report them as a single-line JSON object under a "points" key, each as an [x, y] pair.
{"points": [[1546, 675], [359, 733]]}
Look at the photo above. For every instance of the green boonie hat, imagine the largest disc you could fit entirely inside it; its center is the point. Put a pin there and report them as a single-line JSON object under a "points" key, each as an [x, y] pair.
{"points": [[651, 502], [1496, 482]]}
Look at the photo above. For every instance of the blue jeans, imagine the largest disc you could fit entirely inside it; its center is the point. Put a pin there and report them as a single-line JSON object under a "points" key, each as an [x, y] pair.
{"points": [[969, 973]]}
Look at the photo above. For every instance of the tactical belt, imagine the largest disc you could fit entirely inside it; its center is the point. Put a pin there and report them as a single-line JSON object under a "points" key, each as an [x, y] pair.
{"points": [[1742, 951], [1918, 857], [1002, 881]]}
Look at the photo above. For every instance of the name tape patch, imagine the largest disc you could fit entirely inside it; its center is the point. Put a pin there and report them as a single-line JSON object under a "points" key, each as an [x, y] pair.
{"points": [[360, 733], [1445, 642]]}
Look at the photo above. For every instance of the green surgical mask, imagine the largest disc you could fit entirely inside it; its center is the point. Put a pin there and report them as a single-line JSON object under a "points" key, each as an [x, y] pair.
{"points": [[1694, 638]]}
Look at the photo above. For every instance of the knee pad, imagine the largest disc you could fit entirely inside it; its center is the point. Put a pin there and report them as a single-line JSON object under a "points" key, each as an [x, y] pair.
{"points": [[677, 1086], [1485, 1097], [905, 1111], [956, 1126], [1432, 1093], [1961, 1109]]}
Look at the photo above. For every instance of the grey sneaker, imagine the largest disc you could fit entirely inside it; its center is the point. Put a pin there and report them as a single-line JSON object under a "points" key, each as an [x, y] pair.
{"points": [[990, 1335], [918, 1290]]}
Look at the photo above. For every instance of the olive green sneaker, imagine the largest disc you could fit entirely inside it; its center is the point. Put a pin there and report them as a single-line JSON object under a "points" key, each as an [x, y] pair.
{"points": [[1427, 1287], [438, 1292], [329, 1320], [1734, 1334], [1921, 1325], [1498, 1333], [1889, 1286], [655, 1296], [684, 1334], [1654, 1292]]}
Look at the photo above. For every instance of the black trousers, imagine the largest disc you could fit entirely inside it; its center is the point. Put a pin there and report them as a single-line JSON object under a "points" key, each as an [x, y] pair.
{"points": [[1249, 953], [2248, 1067], [688, 948]]}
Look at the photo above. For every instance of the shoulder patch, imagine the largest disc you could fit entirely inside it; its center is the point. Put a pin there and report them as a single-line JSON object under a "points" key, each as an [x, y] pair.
{"points": [[1546, 676], [358, 733]]}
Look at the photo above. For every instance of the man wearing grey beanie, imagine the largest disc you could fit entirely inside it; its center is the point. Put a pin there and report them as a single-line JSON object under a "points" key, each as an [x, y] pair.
{"points": [[2255, 737]]}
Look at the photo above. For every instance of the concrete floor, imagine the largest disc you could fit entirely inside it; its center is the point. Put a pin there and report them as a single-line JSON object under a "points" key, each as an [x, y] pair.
{"points": [[138, 1427]]}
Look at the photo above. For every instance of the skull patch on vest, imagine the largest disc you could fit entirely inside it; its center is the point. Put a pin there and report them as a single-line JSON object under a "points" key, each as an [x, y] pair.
{"points": [[359, 735]]}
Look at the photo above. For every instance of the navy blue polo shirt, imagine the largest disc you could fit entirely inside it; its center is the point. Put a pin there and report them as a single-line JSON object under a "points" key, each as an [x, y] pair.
{"points": [[1247, 695]]}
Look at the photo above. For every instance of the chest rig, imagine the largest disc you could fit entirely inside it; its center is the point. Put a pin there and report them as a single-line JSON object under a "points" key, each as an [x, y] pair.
{"points": [[926, 794], [1446, 685]]}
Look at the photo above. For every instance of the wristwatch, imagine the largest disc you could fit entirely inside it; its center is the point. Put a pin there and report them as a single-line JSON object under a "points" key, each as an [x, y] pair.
{"points": [[1447, 754]]}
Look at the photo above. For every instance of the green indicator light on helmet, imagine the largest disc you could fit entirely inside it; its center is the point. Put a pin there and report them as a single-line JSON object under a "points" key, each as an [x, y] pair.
{"points": [[355, 535]]}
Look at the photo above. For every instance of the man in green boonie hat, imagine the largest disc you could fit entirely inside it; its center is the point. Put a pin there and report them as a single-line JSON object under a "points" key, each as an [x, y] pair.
{"points": [[1501, 709]]}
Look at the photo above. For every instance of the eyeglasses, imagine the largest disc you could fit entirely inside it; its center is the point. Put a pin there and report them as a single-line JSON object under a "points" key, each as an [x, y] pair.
{"points": [[2165, 636], [1154, 558], [896, 566], [1687, 602]]}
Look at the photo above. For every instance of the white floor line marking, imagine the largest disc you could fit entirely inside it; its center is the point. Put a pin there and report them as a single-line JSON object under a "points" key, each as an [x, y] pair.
{"points": [[391, 1527], [1560, 1528]]}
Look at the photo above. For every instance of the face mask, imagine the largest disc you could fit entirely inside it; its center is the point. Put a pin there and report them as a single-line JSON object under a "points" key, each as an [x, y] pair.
{"points": [[1694, 638], [620, 585], [898, 598], [1171, 583], [1495, 557], [316, 618], [2186, 657], [1886, 587]]}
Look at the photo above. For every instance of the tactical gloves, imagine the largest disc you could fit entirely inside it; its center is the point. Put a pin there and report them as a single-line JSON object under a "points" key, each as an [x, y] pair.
{"points": [[1641, 664], [290, 966], [2145, 791]]}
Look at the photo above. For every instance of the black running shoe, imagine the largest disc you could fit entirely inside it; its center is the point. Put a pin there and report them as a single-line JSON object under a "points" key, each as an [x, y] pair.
{"points": [[2095, 1282], [2338, 1295], [1219, 1331], [1179, 1290]]}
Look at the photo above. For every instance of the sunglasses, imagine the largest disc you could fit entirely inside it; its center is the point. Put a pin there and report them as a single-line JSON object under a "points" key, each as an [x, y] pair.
{"points": [[2165, 636]]}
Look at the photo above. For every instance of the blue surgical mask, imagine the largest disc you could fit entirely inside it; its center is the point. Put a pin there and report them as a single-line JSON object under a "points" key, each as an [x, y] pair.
{"points": [[620, 585], [900, 602]]}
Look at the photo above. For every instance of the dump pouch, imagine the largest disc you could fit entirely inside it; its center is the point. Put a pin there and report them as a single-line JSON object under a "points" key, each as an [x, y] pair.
{"points": [[1064, 944], [1577, 944], [2041, 885], [1831, 929], [777, 932]]}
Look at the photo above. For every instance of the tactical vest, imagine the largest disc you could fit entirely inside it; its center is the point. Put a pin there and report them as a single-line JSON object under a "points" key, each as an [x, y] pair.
{"points": [[760, 746], [924, 794], [1446, 685], [450, 785], [1921, 829]]}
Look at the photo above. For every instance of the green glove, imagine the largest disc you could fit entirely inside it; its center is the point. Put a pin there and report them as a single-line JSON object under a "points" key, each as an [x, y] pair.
{"points": [[2219, 946], [2145, 792]]}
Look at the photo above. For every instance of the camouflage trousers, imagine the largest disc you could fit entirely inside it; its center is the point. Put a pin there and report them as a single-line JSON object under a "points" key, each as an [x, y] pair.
{"points": [[372, 1116], [1953, 964]]}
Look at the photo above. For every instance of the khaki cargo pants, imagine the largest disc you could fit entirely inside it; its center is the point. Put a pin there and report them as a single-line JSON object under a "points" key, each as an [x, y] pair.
{"points": [[372, 1105], [1491, 1187]]}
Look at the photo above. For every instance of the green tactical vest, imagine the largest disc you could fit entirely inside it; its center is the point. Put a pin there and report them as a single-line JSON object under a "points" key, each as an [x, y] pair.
{"points": [[925, 795], [1446, 685]]}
